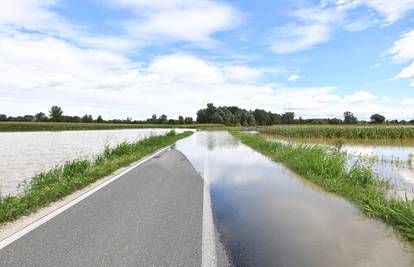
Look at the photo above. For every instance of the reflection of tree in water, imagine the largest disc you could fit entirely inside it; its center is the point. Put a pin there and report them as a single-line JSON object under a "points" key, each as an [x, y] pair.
{"points": [[216, 139]]}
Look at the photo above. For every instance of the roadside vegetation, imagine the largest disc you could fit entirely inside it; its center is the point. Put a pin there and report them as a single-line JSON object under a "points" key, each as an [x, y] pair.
{"points": [[61, 181], [347, 132], [328, 169]]}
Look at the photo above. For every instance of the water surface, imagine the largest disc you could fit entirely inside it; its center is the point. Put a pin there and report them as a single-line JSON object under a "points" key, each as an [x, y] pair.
{"points": [[268, 216], [23, 154]]}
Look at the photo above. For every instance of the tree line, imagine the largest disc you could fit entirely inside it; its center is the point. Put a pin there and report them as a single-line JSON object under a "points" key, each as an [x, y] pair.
{"points": [[233, 115], [56, 115], [227, 115]]}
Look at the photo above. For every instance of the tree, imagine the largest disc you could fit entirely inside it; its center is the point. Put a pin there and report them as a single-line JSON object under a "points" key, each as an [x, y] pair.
{"points": [[99, 119], [163, 119], [56, 113], [180, 120], [188, 120], [202, 116], [349, 117], [154, 118], [288, 117], [87, 118], [3, 117], [377, 118], [261, 116], [40, 117]]}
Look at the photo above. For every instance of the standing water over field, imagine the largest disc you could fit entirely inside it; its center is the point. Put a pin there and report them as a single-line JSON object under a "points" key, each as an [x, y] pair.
{"points": [[23, 154], [268, 216], [391, 160]]}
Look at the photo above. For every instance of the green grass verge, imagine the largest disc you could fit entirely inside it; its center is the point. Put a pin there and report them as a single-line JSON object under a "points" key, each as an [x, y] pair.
{"points": [[66, 126], [50, 186], [328, 169], [341, 131]]}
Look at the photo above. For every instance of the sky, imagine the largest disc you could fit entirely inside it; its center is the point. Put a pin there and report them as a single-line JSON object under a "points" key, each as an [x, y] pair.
{"points": [[134, 58]]}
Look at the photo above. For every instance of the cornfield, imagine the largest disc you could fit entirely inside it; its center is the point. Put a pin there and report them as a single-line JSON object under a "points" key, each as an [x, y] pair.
{"points": [[351, 132]]}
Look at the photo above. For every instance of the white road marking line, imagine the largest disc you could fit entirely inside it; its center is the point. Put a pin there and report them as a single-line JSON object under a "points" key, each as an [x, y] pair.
{"points": [[10, 239], [208, 248]]}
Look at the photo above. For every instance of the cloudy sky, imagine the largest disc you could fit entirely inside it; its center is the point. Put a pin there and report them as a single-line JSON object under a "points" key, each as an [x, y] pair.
{"points": [[133, 58]]}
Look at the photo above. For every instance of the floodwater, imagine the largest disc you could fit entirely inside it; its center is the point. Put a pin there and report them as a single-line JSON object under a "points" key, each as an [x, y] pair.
{"points": [[268, 216], [23, 154], [391, 160]]}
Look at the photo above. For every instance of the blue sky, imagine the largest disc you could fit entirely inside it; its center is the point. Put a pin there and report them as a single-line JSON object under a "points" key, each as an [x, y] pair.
{"points": [[138, 57]]}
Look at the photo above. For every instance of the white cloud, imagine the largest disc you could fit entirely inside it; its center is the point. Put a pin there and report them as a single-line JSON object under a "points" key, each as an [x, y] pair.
{"points": [[293, 78], [407, 101], [315, 25], [390, 11], [403, 51], [106, 83], [178, 20], [293, 38], [55, 62]]}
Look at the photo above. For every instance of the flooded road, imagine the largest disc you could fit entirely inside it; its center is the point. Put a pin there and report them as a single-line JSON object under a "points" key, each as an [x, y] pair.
{"points": [[268, 216], [23, 154]]}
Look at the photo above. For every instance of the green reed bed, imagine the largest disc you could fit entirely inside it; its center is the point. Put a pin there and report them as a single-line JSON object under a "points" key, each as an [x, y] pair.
{"points": [[68, 126], [351, 132], [50, 186], [328, 169]]}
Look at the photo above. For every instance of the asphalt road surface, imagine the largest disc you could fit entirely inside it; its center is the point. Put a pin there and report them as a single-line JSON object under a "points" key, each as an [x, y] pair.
{"points": [[151, 216]]}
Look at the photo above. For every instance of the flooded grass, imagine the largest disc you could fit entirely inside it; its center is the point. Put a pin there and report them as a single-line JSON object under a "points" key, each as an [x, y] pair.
{"points": [[67, 126], [50, 186], [328, 168], [347, 132]]}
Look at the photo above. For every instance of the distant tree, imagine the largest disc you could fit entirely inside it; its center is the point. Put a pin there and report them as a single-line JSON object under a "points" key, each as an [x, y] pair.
{"points": [[3, 117], [210, 111], [56, 113], [154, 118], [377, 118], [202, 116], [40, 117], [349, 117], [99, 119], [250, 119], [288, 117], [180, 120], [261, 116], [87, 118], [188, 120], [163, 119]]}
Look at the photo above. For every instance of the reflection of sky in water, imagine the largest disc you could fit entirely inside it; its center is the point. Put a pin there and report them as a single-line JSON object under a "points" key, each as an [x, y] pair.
{"points": [[268, 216], [386, 160], [23, 154]]}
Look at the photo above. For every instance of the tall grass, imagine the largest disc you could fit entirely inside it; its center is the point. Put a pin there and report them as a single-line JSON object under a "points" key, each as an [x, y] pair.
{"points": [[351, 132], [67, 126], [50, 186], [328, 169]]}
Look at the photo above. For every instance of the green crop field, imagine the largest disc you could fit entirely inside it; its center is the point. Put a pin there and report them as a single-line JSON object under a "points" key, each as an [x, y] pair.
{"points": [[349, 132]]}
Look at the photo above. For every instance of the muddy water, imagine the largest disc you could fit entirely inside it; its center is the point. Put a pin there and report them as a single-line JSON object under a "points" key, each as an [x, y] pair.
{"points": [[23, 154], [268, 216], [392, 160]]}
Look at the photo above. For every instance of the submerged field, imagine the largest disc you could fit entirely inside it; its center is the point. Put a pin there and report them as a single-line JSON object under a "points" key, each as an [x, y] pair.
{"points": [[339, 131], [52, 185], [67, 126], [328, 168]]}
